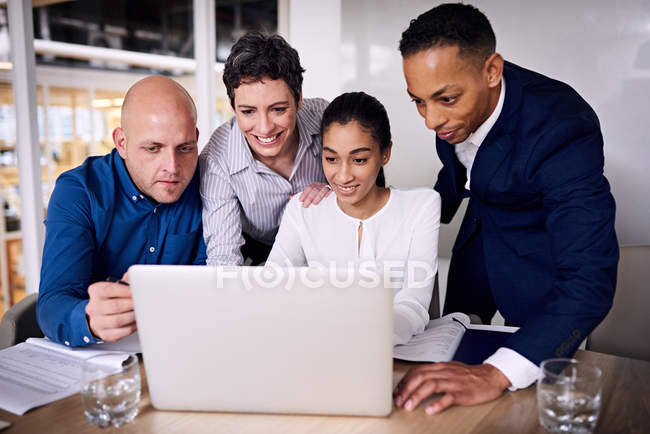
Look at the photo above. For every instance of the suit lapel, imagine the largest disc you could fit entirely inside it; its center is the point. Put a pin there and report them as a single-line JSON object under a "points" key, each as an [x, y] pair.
{"points": [[490, 155], [497, 145], [499, 142]]}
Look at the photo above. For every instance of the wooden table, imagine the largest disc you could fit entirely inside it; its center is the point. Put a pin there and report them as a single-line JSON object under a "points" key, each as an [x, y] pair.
{"points": [[625, 409]]}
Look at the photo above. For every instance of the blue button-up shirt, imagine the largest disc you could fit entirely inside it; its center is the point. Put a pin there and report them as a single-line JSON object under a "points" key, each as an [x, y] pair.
{"points": [[98, 224]]}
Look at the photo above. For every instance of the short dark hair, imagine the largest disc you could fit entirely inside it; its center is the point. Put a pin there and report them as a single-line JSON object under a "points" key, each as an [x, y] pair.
{"points": [[255, 56], [368, 112], [450, 24]]}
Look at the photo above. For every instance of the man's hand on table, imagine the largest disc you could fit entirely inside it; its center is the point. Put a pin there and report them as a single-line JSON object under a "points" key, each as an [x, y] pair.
{"points": [[459, 383], [110, 312], [314, 193]]}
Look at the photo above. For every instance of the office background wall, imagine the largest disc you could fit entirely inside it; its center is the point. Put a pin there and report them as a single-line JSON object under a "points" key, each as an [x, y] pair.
{"points": [[600, 48]]}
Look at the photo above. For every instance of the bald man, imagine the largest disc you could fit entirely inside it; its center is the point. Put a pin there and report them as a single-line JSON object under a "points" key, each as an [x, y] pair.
{"points": [[140, 204]]}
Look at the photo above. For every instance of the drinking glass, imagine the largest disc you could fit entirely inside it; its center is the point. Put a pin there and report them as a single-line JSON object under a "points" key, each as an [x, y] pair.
{"points": [[110, 388], [568, 395]]}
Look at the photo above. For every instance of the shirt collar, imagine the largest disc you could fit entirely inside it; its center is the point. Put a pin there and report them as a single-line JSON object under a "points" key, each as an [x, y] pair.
{"points": [[240, 155], [308, 127], [477, 137]]}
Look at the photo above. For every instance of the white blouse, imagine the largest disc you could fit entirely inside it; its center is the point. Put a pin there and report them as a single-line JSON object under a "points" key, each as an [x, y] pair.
{"points": [[402, 236]]}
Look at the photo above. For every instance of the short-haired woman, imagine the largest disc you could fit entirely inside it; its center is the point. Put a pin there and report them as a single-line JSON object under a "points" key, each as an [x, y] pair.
{"points": [[268, 152]]}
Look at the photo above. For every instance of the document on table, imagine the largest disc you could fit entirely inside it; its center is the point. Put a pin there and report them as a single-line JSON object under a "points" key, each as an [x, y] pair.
{"points": [[40, 371], [441, 338], [129, 344], [437, 343]]}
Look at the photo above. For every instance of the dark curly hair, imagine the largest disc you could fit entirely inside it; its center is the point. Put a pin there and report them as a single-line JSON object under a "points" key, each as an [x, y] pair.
{"points": [[368, 112], [450, 24], [255, 56]]}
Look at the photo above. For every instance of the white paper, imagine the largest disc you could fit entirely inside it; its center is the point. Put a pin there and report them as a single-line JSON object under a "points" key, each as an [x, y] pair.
{"points": [[40, 371], [31, 376], [130, 344], [437, 343]]}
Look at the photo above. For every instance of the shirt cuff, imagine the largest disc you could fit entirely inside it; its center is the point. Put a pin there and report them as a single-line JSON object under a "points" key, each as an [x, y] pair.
{"points": [[404, 324], [519, 370], [79, 331]]}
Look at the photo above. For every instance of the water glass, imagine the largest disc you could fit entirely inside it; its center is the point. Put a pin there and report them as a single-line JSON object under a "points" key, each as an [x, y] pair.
{"points": [[568, 395], [110, 388]]}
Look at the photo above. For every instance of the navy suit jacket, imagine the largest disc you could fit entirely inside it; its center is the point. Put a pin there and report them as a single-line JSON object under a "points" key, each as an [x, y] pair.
{"points": [[538, 236]]}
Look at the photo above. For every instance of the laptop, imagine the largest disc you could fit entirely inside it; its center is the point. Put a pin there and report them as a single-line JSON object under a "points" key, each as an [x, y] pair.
{"points": [[266, 340]]}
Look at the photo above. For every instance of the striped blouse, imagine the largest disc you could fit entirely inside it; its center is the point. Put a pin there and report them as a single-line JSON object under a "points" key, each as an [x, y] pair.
{"points": [[241, 194]]}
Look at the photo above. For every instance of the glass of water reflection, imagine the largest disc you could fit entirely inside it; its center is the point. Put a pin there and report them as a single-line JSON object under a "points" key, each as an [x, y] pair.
{"points": [[568, 395], [110, 388]]}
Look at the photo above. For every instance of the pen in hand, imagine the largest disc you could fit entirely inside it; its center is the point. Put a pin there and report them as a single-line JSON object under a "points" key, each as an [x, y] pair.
{"points": [[117, 280]]}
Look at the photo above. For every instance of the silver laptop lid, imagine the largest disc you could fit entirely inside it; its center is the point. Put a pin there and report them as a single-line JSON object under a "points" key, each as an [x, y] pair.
{"points": [[253, 339]]}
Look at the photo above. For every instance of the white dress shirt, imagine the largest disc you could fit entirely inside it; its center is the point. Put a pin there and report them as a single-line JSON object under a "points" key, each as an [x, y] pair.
{"points": [[402, 236], [519, 370], [466, 151]]}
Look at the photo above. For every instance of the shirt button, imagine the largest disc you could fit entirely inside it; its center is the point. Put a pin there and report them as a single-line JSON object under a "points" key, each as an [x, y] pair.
{"points": [[67, 343], [86, 339], [141, 197], [154, 210], [134, 197], [152, 249]]}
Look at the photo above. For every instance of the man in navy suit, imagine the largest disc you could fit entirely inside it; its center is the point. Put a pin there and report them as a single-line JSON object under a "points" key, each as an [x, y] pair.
{"points": [[537, 241]]}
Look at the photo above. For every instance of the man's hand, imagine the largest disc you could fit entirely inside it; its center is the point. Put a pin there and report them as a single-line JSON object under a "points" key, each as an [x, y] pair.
{"points": [[110, 312], [459, 383], [314, 193]]}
